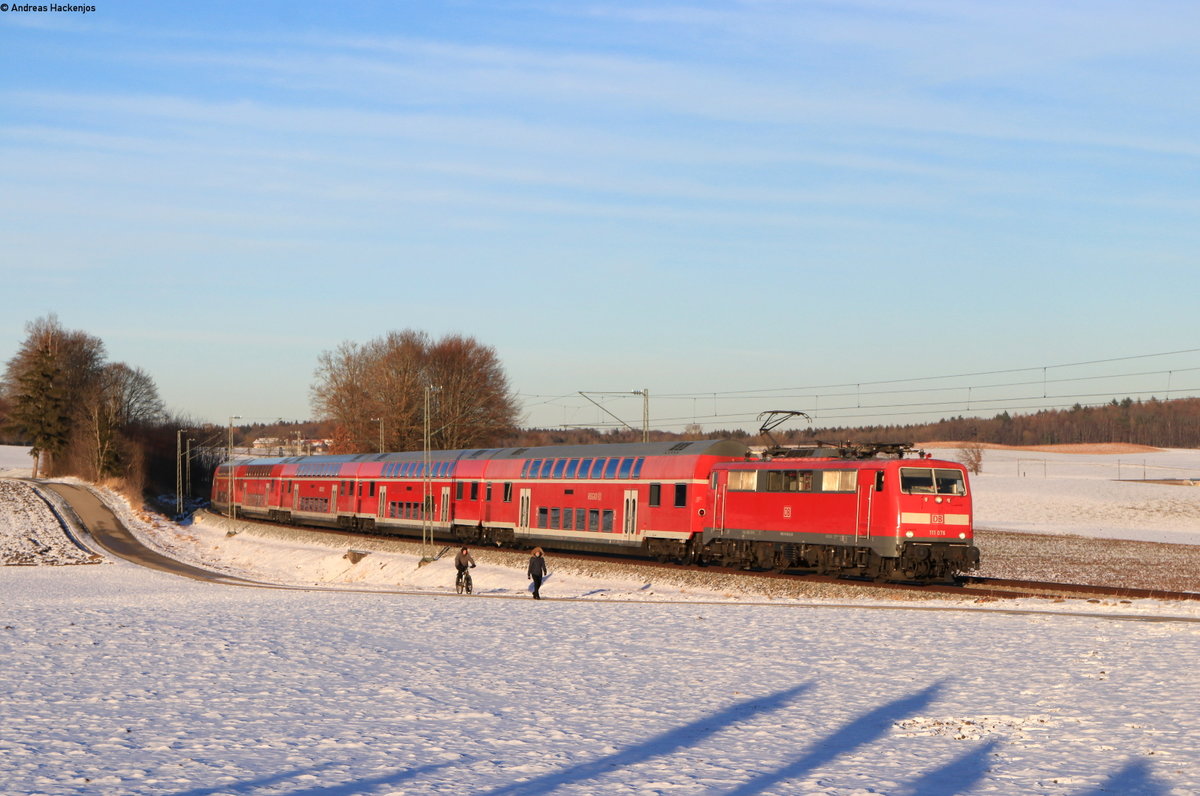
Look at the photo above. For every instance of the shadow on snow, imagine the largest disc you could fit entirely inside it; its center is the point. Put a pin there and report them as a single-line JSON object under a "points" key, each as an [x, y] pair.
{"points": [[958, 776]]}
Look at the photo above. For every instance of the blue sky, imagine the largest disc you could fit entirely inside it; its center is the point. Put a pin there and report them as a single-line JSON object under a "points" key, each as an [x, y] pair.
{"points": [[741, 205]]}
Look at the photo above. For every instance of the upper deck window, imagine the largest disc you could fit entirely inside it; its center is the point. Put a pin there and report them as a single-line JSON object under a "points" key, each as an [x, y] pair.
{"points": [[928, 481]]}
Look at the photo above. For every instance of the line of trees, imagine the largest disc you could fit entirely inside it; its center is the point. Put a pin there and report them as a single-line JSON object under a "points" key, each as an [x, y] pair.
{"points": [[381, 394], [80, 414], [1163, 424]]}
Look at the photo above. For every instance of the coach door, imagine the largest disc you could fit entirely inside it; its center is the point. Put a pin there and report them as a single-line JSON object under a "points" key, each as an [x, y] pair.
{"points": [[523, 516], [866, 492], [629, 525], [446, 504]]}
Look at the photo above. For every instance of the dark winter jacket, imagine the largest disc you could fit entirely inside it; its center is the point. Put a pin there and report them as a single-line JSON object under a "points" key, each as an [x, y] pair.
{"points": [[537, 567]]}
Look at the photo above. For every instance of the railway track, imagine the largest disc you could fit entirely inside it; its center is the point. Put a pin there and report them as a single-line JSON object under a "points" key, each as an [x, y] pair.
{"points": [[981, 588]]}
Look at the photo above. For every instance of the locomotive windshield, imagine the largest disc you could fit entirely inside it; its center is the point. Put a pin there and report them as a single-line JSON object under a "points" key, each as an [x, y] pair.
{"points": [[931, 481]]}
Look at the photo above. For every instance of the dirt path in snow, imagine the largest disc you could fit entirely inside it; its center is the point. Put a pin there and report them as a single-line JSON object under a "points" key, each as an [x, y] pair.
{"points": [[108, 531]]}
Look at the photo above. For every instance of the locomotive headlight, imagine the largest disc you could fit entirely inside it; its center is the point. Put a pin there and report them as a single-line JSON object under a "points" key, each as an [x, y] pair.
{"points": [[908, 534], [962, 536], [937, 500]]}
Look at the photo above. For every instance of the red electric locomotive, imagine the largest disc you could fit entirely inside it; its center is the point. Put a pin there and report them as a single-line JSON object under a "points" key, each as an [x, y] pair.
{"points": [[850, 510]]}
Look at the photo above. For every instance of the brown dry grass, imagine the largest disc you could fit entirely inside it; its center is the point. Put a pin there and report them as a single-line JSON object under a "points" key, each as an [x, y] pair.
{"points": [[1092, 448]]}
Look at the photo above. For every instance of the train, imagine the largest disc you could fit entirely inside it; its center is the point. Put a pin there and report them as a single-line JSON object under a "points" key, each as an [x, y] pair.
{"points": [[884, 512]]}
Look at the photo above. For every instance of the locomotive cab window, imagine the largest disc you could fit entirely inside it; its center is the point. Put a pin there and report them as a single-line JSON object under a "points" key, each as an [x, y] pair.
{"points": [[928, 481], [680, 495], [949, 482]]}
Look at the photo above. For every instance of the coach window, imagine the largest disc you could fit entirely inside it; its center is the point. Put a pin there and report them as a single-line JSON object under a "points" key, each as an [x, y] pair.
{"points": [[487, 492], [580, 519], [543, 515], [593, 519], [474, 490], [610, 469], [572, 466], [567, 519], [585, 465], [547, 467], [608, 521], [458, 492], [879, 480], [597, 468], [559, 464], [637, 466], [680, 495], [508, 492], [655, 495], [372, 489], [555, 518], [626, 468]]}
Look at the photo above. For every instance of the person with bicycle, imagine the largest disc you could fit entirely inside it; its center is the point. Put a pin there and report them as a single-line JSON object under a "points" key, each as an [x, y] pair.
{"points": [[462, 562]]}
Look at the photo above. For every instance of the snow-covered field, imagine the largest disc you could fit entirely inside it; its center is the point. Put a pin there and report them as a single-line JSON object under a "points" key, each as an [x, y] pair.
{"points": [[118, 680]]}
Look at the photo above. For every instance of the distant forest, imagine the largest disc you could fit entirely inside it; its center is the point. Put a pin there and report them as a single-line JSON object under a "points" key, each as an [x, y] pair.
{"points": [[1163, 424]]}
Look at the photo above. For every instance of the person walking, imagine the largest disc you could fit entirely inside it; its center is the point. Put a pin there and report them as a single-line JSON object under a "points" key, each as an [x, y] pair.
{"points": [[461, 562], [537, 571]]}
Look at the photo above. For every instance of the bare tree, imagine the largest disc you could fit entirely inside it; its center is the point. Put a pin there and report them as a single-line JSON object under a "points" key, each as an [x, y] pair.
{"points": [[388, 381], [119, 399], [474, 402], [971, 457]]}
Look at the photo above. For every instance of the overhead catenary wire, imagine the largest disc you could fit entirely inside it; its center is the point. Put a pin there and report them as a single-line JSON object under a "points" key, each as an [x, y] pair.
{"points": [[973, 397]]}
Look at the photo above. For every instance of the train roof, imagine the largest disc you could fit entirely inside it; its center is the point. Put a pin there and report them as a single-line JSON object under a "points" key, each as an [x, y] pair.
{"points": [[702, 447]]}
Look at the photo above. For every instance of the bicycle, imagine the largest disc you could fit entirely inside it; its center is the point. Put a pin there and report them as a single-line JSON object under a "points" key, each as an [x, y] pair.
{"points": [[463, 583]]}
